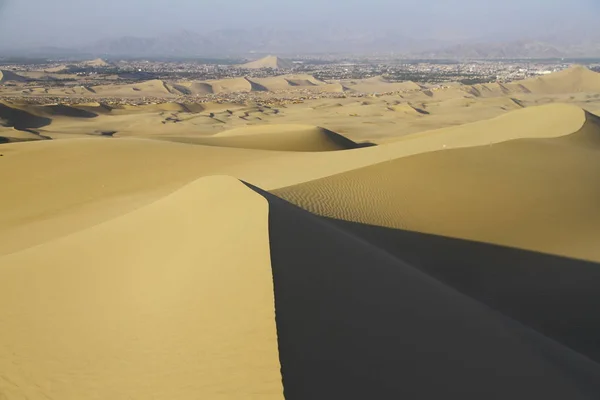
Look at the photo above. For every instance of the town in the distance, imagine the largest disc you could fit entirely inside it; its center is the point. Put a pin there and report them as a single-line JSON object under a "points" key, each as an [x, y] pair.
{"points": [[71, 81]]}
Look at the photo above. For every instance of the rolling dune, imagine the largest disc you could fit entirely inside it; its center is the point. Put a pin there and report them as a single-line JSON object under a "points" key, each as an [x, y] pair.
{"points": [[297, 138], [534, 182], [379, 84], [264, 250], [153, 88], [572, 80]]}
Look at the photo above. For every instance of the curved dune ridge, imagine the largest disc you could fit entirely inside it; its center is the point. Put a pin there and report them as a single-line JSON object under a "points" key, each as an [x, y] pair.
{"points": [[571, 80], [284, 260], [270, 84], [301, 138], [518, 193]]}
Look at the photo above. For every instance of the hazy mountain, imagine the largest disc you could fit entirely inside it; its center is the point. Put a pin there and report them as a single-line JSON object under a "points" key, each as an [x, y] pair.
{"points": [[515, 49], [567, 41], [238, 41]]}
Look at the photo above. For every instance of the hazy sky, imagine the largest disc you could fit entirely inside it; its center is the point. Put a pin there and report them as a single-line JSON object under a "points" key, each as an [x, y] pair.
{"points": [[67, 22]]}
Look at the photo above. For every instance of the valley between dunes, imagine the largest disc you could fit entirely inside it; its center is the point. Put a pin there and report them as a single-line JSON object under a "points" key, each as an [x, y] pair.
{"points": [[210, 250]]}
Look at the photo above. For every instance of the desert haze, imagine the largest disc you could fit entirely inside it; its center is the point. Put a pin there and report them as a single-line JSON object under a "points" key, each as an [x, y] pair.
{"points": [[275, 234]]}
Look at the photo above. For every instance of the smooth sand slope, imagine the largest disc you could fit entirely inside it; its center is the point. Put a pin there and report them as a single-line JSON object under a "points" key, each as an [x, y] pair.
{"points": [[88, 181], [174, 300], [572, 80], [379, 84], [300, 138], [535, 194]]}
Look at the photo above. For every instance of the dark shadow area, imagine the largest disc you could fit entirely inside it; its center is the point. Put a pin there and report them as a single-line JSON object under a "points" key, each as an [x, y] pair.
{"points": [[344, 142], [21, 120], [255, 87], [37, 133], [557, 296], [355, 321], [66, 111]]}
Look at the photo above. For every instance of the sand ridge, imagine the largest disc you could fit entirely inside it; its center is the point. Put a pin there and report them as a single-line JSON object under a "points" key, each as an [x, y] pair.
{"points": [[142, 256], [298, 138], [518, 177]]}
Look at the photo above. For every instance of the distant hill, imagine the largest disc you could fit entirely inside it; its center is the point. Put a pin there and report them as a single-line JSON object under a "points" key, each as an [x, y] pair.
{"points": [[268, 62], [98, 63]]}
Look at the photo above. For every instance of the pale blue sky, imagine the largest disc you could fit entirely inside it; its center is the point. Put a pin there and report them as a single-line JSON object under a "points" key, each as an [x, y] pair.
{"points": [[66, 22]]}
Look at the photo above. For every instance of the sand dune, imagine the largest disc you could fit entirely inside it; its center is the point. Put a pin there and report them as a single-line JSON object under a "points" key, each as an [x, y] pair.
{"points": [[14, 117], [153, 88], [278, 137], [270, 84], [572, 80], [59, 68], [155, 294], [533, 182], [98, 62], [140, 255], [194, 88], [8, 76], [336, 288], [379, 84], [285, 82], [268, 62], [92, 180]]}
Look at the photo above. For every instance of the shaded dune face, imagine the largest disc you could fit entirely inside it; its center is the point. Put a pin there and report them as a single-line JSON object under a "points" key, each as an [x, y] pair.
{"points": [[21, 120], [364, 312], [533, 194]]}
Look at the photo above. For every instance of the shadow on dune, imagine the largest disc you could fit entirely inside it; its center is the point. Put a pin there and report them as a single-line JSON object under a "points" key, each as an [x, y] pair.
{"points": [[365, 312], [344, 142], [256, 87], [66, 111], [21, 120], [557, 296]]}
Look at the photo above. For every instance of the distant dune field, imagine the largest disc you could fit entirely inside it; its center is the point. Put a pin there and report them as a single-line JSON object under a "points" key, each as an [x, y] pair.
{"points": [[424, 243]]}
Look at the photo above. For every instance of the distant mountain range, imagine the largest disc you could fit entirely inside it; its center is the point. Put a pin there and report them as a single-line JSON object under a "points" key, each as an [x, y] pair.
{"points": [[238, 42], [243, 42], [513, 50]]}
